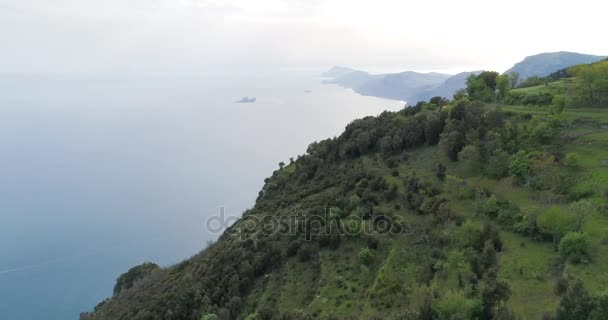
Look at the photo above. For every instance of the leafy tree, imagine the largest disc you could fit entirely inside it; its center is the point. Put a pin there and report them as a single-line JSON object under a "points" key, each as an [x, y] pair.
{"points": [[493, 292], [514, 79], [519, 166], [581, 209], [440, 170], [469, 155], [482, 87], [592, 83], [452, 144], [559, 104], [488, 256], [498, 165], [600, 308], [433, 128], [556, 222], [503, 86], [575, 303], [439, 101], [574, 245]]}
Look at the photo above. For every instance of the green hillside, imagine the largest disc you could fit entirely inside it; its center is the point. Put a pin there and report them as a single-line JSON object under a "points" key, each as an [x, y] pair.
{"points": [[477, 208]]}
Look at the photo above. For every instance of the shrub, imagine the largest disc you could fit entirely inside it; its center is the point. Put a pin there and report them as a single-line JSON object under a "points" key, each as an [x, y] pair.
{"points": [[574, 246], [454, 305], [572, 160], [366, 256], [498, 165]]}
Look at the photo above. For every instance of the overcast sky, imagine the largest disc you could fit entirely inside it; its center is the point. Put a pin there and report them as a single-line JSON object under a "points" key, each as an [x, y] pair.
{"points": [[163, 35]]}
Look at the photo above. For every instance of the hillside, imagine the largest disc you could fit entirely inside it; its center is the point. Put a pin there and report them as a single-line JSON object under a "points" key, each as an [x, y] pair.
{"points": [[406, 86], [543, 64], [456, 210]]}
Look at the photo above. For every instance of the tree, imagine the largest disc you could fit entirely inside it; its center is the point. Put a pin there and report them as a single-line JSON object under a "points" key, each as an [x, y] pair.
{"points": [[600, 309], [558, 104], [281, 165], [581, 209], [469, 155], [592, 83], [514, 79], [498, 165], [575, 303], [519, 166], [478, 88], [574, 246], [452, 143], [440, 170], [488, 256], [503, 86], [439, 101], [556, 222]]}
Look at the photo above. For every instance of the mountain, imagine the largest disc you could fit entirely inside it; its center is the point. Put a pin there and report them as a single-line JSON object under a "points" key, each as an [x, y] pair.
{"points": [[543, 64], [448, 87], [405, 86]]}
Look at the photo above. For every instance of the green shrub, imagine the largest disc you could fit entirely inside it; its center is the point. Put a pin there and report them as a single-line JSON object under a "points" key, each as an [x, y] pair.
{"points": [[366, 256], [572, 160], [574, 246], [454, 305]]}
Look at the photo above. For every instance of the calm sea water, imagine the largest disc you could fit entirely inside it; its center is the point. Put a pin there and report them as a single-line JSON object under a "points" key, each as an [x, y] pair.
{"points": [[100, 172]]}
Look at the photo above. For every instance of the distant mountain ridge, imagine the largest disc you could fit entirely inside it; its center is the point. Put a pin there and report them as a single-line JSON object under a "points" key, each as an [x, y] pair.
{"points": [[407, 86], [413, 86], [544, 64]]}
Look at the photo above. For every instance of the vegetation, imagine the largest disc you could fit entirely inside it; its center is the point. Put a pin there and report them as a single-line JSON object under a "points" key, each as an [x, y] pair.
{"points": [[483, 207]]}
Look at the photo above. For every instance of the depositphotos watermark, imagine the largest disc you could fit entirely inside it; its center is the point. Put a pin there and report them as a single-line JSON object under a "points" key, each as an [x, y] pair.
{"points": [[297, 222]]}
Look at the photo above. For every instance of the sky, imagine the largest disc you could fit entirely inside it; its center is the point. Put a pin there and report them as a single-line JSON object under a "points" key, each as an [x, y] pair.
{"points": [[249, 35]]}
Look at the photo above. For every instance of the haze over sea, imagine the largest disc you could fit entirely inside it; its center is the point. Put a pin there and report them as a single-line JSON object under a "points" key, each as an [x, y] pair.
{"points": [[101, 172]]}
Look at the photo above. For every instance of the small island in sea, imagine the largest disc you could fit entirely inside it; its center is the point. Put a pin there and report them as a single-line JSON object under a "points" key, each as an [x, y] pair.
{"points": [[247, 100]]}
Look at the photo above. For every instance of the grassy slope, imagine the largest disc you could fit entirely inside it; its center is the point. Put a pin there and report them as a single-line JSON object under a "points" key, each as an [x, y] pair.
{"points": [[340, 285]]}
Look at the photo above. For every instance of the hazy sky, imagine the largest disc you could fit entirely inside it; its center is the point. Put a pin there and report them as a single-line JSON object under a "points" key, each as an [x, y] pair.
{"points": [[163, 35]]}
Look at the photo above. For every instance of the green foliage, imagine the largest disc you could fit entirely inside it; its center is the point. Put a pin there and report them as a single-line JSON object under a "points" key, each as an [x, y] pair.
{"points": [[519, 166], [591, 83], [469, 155], [556, 222], [210, 316], [575, 303], [514, 78], [572, 160], [498, 165], [440, 171], [366, 256], [454, 305], [503, 85], [581, 209], [135, 274], [559, 104], [574, 246], [482, 87]]}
